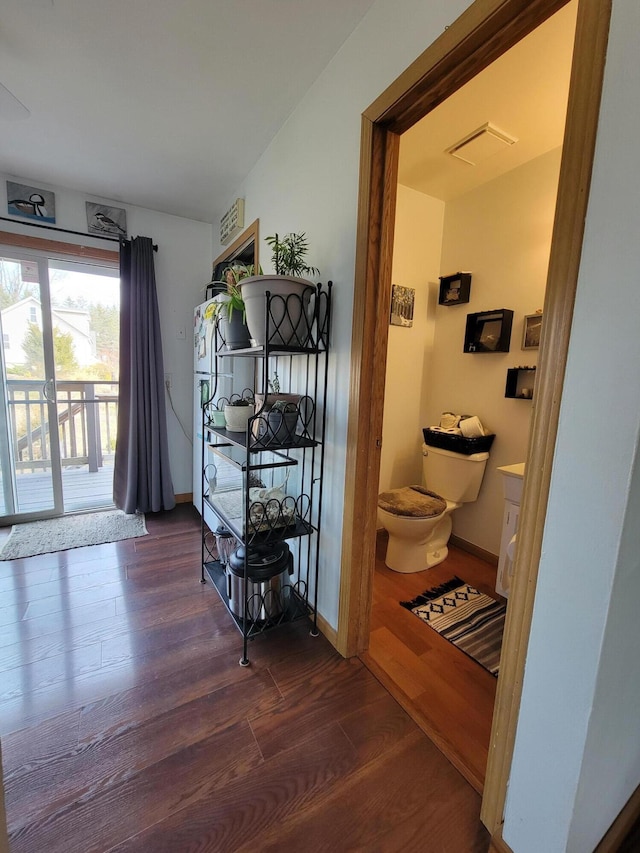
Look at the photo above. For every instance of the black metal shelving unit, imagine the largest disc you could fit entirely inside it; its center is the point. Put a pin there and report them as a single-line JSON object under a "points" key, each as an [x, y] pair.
{"points": [[264, 485]]}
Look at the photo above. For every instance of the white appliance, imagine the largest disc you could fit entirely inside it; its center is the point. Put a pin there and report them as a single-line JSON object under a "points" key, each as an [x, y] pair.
{"points": [[234, 375]]}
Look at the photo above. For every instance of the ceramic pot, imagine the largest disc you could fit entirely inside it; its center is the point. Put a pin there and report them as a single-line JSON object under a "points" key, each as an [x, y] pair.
{"points": [[218, 419], [264, 404], [234, 332], [237, 417], [289, 323], [276, 427]]}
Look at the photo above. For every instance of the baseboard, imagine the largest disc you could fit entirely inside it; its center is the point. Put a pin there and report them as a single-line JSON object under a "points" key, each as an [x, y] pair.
{"points": [[184, 498], [621, 826], [498, 844], [328, 631], [470, 548]]}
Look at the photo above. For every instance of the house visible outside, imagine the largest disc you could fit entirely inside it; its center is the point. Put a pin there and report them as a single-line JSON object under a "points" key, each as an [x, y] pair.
{"points": [[74, 323]]}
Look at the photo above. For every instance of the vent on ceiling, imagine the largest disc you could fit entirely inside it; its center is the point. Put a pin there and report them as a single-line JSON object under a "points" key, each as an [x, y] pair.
{"points": [[480, 144]]}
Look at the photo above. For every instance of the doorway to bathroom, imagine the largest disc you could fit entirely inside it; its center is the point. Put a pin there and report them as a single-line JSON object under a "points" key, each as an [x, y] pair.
{"points": [[471, 43], [486, 207]]}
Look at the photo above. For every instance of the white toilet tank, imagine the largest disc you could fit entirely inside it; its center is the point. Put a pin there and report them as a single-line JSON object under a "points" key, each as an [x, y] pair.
{"points": [[453, 476]]}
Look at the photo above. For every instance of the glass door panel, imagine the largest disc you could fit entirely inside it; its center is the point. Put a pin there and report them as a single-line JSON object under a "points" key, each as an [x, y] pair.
{"points": [[29, 453], [85, 310]]}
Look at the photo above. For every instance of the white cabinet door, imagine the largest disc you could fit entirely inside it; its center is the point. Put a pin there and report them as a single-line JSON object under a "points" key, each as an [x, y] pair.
{"points": [[505, 563]]}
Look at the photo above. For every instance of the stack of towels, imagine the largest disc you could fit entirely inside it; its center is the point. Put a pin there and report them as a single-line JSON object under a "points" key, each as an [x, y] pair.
{"points": [[467, 425]]}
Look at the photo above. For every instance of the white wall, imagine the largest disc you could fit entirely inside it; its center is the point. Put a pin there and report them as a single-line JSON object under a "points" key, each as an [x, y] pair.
{"points": [[416, 264], [501, 232], [307, 180], [183, 266], [577, 752]]}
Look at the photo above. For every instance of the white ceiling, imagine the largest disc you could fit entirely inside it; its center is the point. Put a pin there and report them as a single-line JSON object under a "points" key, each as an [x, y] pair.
{"points": [[523, 93], [166, 104]]}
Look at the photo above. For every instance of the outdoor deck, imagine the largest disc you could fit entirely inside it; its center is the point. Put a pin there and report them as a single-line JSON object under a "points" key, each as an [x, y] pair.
{"points": [[82, 489], [86, 433]]}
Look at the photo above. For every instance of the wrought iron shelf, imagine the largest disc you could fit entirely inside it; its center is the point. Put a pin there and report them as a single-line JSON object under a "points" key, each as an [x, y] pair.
{"points": [[236, 455], [297, 528], [256, 445], [293, 605], [263, 352], [274, 456]]}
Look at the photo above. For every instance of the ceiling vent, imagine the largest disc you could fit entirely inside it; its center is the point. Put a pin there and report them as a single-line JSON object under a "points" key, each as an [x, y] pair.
{"points": [[481, 144]]}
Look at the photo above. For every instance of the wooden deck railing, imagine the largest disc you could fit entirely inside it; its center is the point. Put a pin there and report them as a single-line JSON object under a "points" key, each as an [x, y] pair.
{"points": [[87, 423]]}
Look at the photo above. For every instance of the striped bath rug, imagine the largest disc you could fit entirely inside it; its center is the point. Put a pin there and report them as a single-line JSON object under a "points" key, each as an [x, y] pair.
{"points": [[467, 618]]}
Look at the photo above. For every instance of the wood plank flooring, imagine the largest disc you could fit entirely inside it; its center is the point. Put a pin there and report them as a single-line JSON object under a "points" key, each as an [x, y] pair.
{"points": [[128, 725], [450, 695]]}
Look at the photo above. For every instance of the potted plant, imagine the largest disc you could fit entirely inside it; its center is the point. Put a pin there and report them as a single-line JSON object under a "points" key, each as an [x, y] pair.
{"points": [[237, 413], [228, 309], [279, 425], [265, 402], [289, 324]]}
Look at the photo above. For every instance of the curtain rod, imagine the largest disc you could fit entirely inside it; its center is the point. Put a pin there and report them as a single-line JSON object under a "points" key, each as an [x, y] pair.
{"points": [[67, 231]]}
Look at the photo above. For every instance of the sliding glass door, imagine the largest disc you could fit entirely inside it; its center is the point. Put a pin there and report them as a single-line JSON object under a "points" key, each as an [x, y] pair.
{"points": [[30, 470], [59, 372]]}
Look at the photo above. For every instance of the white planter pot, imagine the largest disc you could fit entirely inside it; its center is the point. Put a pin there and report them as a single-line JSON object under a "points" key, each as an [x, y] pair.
{"points": [[237, 417], [289, 321]]}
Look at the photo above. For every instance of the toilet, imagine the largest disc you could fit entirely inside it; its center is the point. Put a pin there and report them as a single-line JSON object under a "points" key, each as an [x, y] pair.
{"points": [[418, 518]]}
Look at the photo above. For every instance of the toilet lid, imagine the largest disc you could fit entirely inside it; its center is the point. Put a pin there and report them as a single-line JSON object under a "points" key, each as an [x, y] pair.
{"points": [[412, 501]]}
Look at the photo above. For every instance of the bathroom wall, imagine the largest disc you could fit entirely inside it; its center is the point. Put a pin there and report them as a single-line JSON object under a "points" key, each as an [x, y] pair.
{"points": [[501, 232], [416, 264]]}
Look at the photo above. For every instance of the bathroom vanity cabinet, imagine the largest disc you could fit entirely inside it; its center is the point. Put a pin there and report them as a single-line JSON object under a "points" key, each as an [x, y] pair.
{"points": [[512, 483], [262, 487]]}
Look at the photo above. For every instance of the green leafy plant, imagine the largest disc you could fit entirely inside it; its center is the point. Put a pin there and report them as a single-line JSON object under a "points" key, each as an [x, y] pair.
{"points": [[274, 384], [233, 275], [289, 255], [241, 402], [284, 406]]}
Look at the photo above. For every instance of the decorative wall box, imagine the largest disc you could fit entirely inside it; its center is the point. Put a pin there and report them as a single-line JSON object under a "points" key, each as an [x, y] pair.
{"points": [[488, 331], [232, 222], [520, 383], [455, 289]]}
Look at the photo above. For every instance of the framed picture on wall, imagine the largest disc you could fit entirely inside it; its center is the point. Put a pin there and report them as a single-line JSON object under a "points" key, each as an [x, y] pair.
{"points": [[31, 202], [105, 219], [402, 303], [531, 332]]}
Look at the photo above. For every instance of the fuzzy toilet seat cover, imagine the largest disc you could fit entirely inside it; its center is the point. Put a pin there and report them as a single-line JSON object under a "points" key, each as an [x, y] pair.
{"points": [[412, 501]]}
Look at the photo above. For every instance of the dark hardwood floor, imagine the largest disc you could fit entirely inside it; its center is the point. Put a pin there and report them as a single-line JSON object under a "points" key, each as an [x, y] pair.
{"points": [[450, 695], [128, 725]]}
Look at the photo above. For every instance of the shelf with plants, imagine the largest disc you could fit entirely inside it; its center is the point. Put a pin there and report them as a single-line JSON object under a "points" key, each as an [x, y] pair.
{"points": [[277, 425], [262, 479]]}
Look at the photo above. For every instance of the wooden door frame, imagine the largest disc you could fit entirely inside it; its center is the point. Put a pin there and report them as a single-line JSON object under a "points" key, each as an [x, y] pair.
{"points": [[486, 30]]}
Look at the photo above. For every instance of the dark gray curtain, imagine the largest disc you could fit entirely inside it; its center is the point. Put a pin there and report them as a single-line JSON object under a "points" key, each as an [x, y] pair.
{"points": [[142, 478]]}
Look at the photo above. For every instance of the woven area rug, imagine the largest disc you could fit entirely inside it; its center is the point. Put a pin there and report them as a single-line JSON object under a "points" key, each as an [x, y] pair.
{"points": [[71, 531], [470, 620]]}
